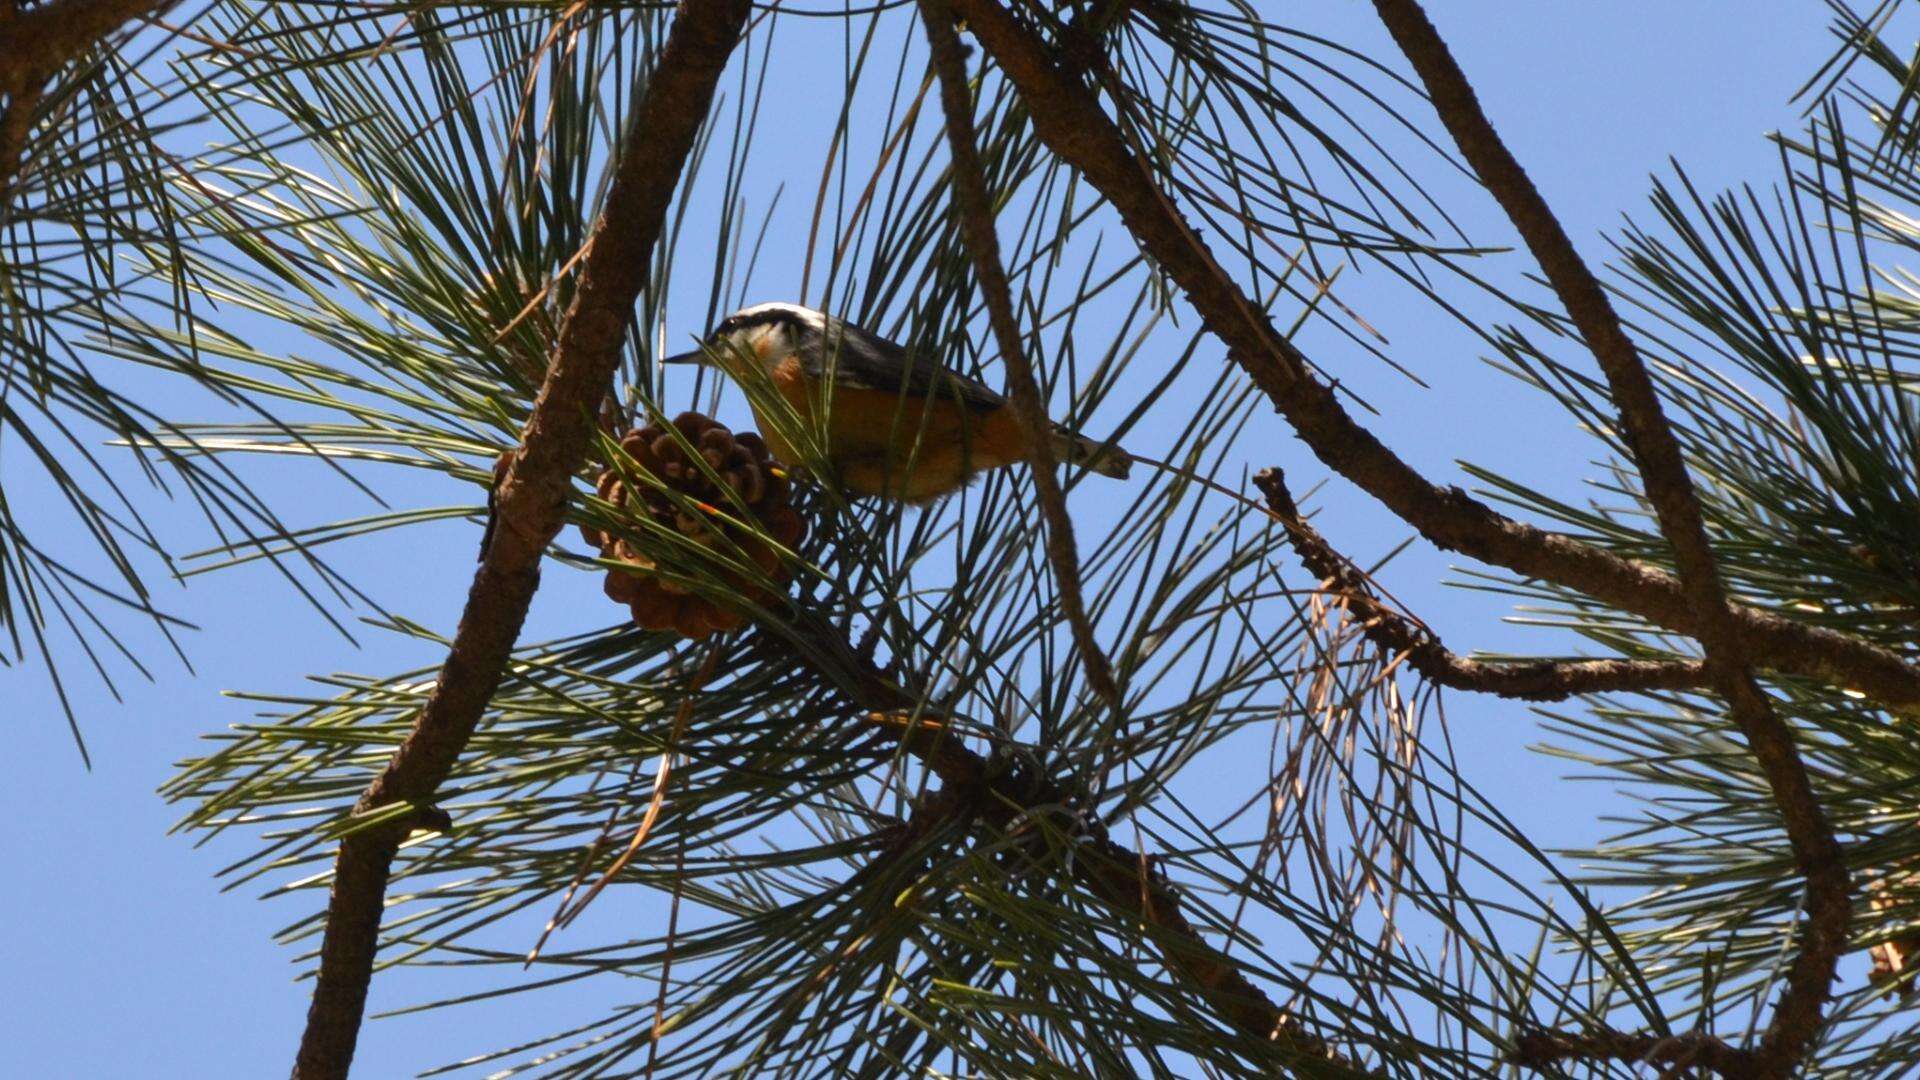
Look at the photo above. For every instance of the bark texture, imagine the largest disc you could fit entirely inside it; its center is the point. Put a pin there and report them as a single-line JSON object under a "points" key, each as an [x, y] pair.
{"points": [[530, 506]]}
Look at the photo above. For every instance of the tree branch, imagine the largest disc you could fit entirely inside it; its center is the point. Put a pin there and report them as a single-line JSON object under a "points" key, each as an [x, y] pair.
{"points": [[1070, 120], [1117, 877], [16, 122], [1400, 635], [1663, 471], [1669, 487], [1108, 870], [36, 43], [531, 504], [973, 206], [40, 40], [1542, 1050]]}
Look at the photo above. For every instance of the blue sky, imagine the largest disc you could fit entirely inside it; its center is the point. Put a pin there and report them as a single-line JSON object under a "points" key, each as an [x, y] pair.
{"points": [[123, 956]]}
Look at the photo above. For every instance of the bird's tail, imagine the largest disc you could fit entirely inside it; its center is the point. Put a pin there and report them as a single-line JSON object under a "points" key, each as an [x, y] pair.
{"points": [[1107, 459]]}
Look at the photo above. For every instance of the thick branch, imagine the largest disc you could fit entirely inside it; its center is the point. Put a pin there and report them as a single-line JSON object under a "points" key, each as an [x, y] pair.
{"points": [[1657, 456], [531, 503], [1542, 1050], [974, 208], [39, 41], [16, 122], [1070, 120], [36, 43], [1399, 635]]}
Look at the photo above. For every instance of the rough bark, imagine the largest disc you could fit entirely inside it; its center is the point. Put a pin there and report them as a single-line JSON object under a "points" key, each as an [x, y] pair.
{"points": [[1069, 119], [529, 509], [37, 41], [1400, 636], [1669, 488]]}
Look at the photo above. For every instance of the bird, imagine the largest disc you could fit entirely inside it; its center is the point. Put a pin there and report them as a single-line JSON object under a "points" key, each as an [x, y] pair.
{"points": [[896, 423]]}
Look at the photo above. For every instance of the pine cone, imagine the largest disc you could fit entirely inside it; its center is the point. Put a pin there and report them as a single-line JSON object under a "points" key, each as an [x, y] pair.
{"points": [[739, 462]]}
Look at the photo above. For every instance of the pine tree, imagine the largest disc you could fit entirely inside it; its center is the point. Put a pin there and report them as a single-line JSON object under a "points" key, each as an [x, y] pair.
{"points": [[933, 790]]}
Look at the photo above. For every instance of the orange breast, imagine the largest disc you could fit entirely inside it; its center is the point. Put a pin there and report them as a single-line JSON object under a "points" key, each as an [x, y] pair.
{"points": [[897, 445]]}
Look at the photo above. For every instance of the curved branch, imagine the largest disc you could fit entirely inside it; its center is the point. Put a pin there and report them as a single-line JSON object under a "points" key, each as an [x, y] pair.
{"points": [[1663, 472], [1070, 120], [531, 504], [974, 208], [1400, 635]]}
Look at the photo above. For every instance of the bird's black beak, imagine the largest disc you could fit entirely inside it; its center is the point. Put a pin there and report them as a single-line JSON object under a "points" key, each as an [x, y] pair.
{"points": [[697, 356]]}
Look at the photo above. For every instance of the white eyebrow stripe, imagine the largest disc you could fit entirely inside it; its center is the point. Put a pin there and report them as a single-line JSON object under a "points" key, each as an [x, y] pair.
{"points": [[813, 319]]}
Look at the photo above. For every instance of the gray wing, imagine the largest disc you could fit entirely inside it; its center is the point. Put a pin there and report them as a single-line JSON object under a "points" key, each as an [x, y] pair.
{"points": [[859, 358]]}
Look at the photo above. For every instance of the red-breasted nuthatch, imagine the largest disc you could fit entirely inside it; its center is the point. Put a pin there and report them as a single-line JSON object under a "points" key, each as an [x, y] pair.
{"points": [[895, 424]]}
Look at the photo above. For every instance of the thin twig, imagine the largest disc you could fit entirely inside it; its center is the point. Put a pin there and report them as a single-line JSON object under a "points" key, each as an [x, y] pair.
{"points": [[973, 206], [580, 873], [666, 957], [680, 718], [1072, 123], [1400, 635], [1657, 456], [568, 910], [532, 504]]}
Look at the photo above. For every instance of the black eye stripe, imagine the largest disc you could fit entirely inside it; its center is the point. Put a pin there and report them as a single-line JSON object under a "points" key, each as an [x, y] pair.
{"points": [[758, 318]]}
